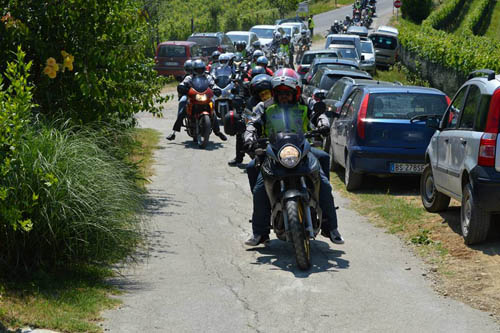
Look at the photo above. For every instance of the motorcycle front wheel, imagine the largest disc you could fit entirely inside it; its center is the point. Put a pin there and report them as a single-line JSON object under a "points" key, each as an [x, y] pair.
{"points": [[301, 243], [203, 131]]}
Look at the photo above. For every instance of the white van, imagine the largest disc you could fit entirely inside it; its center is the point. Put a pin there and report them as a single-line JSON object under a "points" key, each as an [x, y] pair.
{"points": [[344, 39]]}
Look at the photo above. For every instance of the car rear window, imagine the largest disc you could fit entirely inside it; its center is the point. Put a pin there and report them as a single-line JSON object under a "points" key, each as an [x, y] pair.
{"points": [[405, 105], [347, 53], [172, 51], [235, 38], [204, 41], [307, 59], [384, 42], [263, 32], [327, 81]]}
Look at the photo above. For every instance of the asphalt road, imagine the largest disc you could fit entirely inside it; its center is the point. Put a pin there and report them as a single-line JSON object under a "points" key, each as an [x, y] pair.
{"points": [[199, 276]]}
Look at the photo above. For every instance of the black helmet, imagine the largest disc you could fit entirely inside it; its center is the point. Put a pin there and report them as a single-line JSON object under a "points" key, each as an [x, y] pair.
{"points": [[188, 66], [199, 67], [215, 55], [240, 45], [285, 40], [260, 83], [262, 61], [303, 32], [233, 124], [258, 70], [256, 45]]}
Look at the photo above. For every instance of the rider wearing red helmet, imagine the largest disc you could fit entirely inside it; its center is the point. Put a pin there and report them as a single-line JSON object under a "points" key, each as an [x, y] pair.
{"points": [[287, 113]]}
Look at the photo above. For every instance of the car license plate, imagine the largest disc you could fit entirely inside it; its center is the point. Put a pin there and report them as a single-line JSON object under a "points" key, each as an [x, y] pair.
{"points": [[407, 168], [171, 63]]}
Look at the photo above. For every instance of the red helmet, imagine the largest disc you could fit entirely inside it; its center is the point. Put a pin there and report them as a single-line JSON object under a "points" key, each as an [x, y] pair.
{"points": [[287, 79]]}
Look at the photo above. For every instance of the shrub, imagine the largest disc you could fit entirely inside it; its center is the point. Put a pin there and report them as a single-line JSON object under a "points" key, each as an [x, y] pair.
{"points": [[444, 15], [81, 202], [475, 18], [88, 57], [416, 10]]}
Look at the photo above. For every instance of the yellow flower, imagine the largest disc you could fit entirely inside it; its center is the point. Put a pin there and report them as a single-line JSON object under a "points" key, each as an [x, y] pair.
{"points": [[68, 62], [51, 61], [49, 71], [64, 54]]}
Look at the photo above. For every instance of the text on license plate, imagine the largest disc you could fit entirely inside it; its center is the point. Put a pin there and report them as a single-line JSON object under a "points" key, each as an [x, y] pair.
{"points": [[407, 168], [171, 63]]}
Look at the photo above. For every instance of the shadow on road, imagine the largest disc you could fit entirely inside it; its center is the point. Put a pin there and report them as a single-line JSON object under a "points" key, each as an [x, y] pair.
{"points": [[157, 200], [193, 145], [280, 254]]}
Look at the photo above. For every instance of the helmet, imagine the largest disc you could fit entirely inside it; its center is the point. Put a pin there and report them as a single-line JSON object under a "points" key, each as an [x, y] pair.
{"points": [[199, 67], [286, 79], [262, 61], [215, 55], [256, 54], [277, 35], [258, 70], [259, 84], [303, 32], [238, 58], [256, 45], [240, 45], [233, 124], [347, 18], [285, 40], [188, 66], [224, 58], [336, 22]]}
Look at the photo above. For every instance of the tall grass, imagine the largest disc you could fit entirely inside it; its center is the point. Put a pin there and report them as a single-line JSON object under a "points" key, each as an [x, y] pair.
{"points": [[82, 201]]}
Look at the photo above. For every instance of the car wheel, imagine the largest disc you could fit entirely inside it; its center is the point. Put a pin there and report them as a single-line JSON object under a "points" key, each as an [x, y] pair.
{"points": [[352, 179], [432, 200], [474, 221]]}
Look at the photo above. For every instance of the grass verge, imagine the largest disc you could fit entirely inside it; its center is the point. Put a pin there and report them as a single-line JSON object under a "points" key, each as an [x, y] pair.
{"points": [[71, 299], [400, 73]]}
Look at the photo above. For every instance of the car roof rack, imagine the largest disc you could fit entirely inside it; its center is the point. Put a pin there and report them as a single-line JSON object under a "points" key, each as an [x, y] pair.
{"points": [[489, 72], [398, 83]]}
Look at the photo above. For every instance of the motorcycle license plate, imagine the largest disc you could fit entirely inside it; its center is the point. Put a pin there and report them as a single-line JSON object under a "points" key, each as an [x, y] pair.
{"points": [[407, 168]]}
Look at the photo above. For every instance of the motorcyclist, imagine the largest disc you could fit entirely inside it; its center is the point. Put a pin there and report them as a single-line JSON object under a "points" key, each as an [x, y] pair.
{"points": [[225, 60], [214, 62], [188, 69], [276, 42], [241, 46], [256, 46], [287, 49], [198, 70], [256, 54], [286, 90], [263, 62]]}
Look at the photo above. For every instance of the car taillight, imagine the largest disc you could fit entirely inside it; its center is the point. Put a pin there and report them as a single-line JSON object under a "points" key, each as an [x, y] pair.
{"points": [[448, 100], [362, 117], [488, 144]]}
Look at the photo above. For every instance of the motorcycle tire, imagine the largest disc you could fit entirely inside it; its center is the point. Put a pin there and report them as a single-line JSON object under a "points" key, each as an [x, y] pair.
{"points": [[203, 131], [301, 242]]}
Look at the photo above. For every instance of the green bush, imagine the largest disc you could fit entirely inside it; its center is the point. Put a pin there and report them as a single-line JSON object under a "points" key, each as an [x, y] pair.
{"points": [[416, 10], [475, 18], [444, 15], [82, 203], [88, 56]]}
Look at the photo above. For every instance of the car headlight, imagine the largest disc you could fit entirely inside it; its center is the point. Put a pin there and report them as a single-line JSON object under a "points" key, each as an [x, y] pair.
{"points": [[289, 156], [201, 97], [370, 61]]}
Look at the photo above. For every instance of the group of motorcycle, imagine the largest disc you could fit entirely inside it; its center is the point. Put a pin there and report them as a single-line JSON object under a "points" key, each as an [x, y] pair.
{"points": [[362, 16]]}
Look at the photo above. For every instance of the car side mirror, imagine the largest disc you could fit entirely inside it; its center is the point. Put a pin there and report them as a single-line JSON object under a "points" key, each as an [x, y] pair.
{"points": [[433, 123], [362, 58]]}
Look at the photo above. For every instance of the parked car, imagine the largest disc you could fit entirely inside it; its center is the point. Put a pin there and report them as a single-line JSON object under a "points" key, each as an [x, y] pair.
{"points": [[322, 62], [343, 39], [386, 28], [463, 159], [212, 41], [368, 53], [325, 77], [301, 25], [375, 132], [265, 32], [246, 36], [170, 57], [386, 47], [292, 31], [347, 51], [309, 56], [356, 30]]}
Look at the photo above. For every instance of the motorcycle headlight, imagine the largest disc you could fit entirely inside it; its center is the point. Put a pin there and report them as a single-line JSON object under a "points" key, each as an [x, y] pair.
{"points": [[289, 156], [201, 97]]}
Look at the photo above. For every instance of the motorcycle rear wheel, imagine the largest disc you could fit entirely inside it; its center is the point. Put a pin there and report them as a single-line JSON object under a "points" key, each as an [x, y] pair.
{"points": [[301, 243], [203, 131]]}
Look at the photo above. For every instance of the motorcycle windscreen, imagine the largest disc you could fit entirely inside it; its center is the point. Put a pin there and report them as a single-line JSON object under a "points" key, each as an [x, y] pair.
{"points": [[222, 81], [280, 139], [200, 83], [285, 120]]}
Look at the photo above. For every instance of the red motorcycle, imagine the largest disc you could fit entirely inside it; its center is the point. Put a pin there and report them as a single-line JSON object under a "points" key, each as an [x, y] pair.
{"points": [[200, 111]]}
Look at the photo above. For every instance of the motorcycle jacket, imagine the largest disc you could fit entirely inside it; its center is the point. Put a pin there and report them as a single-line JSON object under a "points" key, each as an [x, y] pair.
{"points": [[188, 83]]}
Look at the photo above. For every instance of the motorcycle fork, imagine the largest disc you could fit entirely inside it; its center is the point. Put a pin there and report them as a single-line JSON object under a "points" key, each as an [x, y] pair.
{"points": [[303, 208]]}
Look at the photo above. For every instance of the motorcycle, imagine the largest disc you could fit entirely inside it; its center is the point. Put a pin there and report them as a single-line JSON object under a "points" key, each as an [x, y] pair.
{"points": [[223, 90], [292, 180], [199, 110]]}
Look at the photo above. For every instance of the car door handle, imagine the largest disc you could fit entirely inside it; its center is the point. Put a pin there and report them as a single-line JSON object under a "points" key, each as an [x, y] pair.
{"points": [[463, 141], [446, 140]]}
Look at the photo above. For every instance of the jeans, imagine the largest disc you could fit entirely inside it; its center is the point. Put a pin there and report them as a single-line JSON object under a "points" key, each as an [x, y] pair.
{"points": [[240, 141], [262, 207]]}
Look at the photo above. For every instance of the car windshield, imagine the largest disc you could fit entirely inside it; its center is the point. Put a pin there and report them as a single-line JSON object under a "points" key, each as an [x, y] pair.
{"points": [[308, 58], [405, 105], [263, 32], [384, 42], [335, 66], [347, 53], [204, 40], [172, 51], [236, 38], [366, 47]]}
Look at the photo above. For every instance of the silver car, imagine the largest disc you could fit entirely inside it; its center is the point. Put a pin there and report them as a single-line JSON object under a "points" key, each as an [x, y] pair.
{"points": [[463, 159]]}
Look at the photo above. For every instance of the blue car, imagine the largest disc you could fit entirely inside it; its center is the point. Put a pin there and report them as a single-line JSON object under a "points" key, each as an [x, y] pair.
{"points": [[381, 130]]}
